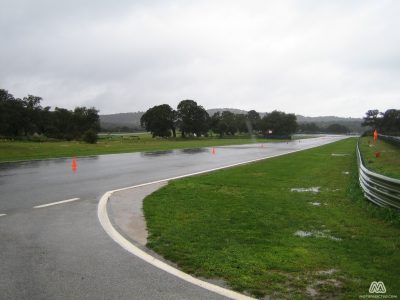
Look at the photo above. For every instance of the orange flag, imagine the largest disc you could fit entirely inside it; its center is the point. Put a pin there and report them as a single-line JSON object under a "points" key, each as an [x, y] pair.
{"points": [[375, 135]]}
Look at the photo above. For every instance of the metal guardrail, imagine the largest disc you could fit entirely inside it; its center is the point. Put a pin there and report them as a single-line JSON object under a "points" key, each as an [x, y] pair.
{"points": [[380, 189], [395, 140]]}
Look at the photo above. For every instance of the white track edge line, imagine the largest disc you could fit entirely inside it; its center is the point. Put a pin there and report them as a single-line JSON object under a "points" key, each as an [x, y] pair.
{"points": [[124, 243], [56, 203], [2, 215]]}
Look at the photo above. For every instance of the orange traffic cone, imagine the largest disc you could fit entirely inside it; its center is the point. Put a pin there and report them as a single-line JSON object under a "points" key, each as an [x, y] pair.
{"points": [[74, 165], [213, 151]]}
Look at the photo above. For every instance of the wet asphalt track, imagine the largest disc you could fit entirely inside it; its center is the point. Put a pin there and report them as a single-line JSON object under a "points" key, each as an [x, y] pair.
{"points": [[61, 252]]}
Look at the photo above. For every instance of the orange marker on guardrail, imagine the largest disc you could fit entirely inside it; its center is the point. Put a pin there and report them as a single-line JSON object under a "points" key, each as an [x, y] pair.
{"points": [[375, 135]]}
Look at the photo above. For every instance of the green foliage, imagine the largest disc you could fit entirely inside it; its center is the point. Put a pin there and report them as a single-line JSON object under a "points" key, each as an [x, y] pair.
{"points": [[314, 128], [12, 115], [90, 136], [228, 123], [371, 118], [39, 138], [216, 125], [280, 123], [238, 225], [160, 120], [193, 119], [241, 123], [26, 117], [309, 128], [253, 121], [390, 122], [337, 128], [387, 122]]}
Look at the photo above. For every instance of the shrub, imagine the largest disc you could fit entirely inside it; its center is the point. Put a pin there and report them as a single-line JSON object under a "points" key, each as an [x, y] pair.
{"points": [[90, 136]]}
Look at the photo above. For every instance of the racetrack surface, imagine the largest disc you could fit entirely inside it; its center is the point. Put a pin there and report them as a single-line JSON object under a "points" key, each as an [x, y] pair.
{"points": [[62, 252]]}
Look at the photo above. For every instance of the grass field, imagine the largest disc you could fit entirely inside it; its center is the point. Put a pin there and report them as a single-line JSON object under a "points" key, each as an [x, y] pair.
{"points": [[388, 163], [246, 226], [20, 150]]}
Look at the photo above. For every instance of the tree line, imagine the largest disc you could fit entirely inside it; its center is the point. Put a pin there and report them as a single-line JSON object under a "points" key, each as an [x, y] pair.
{"points": [[387, 122], [192, 119], [26, 118], [314, 128]]}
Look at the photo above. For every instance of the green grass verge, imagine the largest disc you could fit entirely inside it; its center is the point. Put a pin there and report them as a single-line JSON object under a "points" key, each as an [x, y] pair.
{"points": [[20, 150], [239, 225], [389, 161]]}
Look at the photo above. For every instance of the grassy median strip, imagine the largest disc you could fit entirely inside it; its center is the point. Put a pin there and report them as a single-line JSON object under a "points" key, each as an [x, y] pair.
{"points": [[388, 162], [295, 226], [19, 150]]}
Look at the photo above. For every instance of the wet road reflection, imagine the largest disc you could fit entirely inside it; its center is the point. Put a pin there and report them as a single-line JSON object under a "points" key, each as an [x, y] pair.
{"points": [[26, 184]]}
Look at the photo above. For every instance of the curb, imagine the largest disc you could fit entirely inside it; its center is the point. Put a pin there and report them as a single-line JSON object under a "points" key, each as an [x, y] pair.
{"points": [[127, 245]]}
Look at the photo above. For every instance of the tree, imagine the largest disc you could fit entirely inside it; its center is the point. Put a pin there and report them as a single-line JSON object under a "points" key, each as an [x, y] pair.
{"points": [[193, 119], [85, 119], [5, 100], [31, 114], [254, 121], [371, 119], [27, 117], [90, 136], [309, 128], [46, 124], [225, 123], [387, 122], [216, 125], [229, 119], [337, 128], [159, 120], [12, 114], [390, 122], [242, 123], [63, 124], [280, 123]]}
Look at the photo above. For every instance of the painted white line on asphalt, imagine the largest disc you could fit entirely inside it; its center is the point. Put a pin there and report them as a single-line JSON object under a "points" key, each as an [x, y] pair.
{"points": [[124, 243], [56, 203], [2, 215]]}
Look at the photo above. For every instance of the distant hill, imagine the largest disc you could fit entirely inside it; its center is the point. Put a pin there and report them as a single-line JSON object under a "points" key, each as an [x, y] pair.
{"points": [[121, 122], [354, 124], [234, 110], [131, 121]]}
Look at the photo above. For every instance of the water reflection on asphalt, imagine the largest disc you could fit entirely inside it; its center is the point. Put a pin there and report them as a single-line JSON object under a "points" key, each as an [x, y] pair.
{"points": [[156, 153]]}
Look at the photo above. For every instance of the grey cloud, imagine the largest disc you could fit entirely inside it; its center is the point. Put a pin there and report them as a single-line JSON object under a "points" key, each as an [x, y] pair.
{"points": [[308, 57]]}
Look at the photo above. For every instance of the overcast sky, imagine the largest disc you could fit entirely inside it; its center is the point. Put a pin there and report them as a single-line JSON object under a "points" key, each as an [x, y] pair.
{"points": [[307, 57]]}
